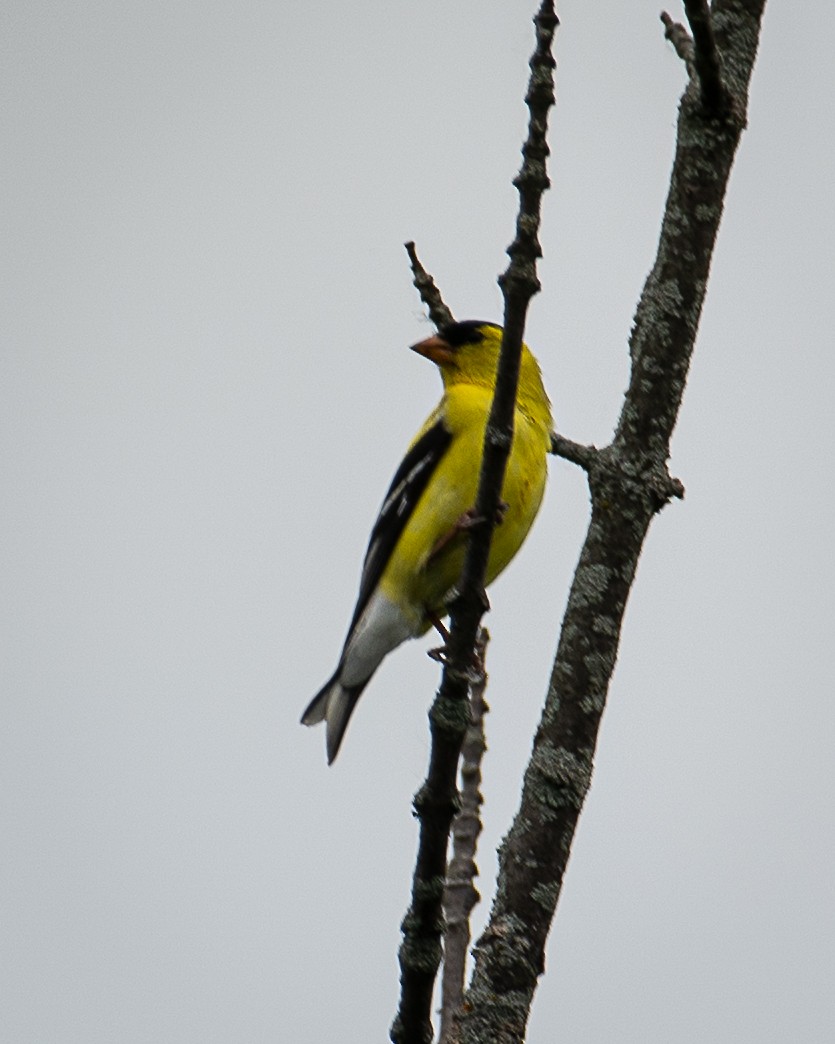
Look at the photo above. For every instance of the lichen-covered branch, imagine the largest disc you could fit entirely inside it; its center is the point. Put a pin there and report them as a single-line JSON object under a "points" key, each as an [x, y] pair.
{"points": [[437, 800], [629, 483], [576, 452]]}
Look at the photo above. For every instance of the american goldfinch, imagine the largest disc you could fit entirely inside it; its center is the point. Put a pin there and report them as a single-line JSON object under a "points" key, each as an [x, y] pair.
{"points": [[417, 547]]}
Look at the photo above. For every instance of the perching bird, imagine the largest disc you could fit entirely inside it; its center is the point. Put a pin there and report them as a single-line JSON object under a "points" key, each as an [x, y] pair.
{"points": [[418, 543]]}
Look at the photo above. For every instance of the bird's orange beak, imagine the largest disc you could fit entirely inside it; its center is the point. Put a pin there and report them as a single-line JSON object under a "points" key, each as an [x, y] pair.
{"points": [[437, 349]]}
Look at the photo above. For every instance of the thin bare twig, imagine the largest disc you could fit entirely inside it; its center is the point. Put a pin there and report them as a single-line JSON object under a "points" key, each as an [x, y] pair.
{"points": [[460, 893], [437, 800], [682, 42], [439, 313]]}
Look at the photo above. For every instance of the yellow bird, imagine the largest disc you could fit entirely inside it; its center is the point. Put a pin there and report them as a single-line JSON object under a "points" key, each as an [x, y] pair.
{"points": [[417, 547]]}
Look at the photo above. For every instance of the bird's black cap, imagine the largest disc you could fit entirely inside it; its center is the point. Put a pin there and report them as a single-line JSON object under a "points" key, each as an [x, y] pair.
{"points": [[468, 332]]}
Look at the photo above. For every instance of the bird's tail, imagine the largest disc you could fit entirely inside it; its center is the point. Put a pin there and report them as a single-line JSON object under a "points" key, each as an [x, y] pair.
{"points": [[333, 703]]}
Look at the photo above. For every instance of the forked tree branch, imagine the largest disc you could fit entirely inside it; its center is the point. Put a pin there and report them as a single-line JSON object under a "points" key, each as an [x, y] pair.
{"points": [[699, 53], [629, 483], [437, 800], [714, 93]]}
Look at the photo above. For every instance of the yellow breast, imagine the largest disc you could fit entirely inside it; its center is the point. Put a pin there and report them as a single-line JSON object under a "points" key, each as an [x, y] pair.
{"points": [[418, 574]]}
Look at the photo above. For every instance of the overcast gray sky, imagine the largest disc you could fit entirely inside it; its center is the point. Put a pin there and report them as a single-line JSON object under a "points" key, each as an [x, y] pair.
{"points": [[205, 391]]}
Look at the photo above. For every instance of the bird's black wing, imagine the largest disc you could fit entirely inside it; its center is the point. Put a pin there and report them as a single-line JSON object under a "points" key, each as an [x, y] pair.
{"points": [[403, 494]]}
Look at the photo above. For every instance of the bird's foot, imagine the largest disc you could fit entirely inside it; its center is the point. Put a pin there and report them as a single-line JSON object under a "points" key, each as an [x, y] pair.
{"points": [[475, 672], [469, 520]]}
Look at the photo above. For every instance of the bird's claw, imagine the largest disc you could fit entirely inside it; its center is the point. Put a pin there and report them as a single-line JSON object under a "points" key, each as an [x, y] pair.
{"points": [[440, 655], [472, 674]]}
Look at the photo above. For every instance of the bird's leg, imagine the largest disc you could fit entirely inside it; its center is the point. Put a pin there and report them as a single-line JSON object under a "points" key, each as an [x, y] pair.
{"points": [[476, 670], [469, 520], [438, 624]]}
